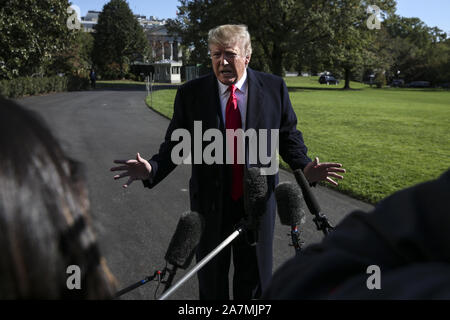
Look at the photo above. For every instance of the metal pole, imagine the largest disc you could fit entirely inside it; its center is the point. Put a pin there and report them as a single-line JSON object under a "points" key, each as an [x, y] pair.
{"points": [[200, 265], [151, 90]]}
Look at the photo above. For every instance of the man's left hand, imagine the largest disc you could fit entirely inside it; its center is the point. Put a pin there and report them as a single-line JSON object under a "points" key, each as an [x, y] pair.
{"points": [[316, 171]]}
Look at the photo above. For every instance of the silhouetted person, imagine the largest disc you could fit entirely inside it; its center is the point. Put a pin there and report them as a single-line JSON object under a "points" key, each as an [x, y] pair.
{"points": [[44, 222], [93, 77], [406, 236]]}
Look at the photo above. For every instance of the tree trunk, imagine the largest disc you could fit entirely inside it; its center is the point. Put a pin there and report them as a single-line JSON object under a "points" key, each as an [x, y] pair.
{"points": [[277, 61], [347, 79]]}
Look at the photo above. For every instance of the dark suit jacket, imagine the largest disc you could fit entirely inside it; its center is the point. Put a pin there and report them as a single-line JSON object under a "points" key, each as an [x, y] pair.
{"points": [[268, 107]]}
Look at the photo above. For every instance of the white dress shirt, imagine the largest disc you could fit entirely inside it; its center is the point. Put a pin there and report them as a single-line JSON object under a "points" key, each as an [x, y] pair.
{"points": [[241, 96]]}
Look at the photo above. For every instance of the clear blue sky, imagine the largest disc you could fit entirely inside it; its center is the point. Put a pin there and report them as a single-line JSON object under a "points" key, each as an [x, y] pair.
{"points": [[432, 12]]}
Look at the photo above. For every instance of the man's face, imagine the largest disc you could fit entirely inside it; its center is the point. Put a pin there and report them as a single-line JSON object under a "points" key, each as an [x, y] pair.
{"points": [[229, 63]]}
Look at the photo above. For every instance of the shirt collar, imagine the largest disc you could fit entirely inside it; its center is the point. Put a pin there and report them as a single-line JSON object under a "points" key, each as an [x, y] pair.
{"points": [[240, 85]]}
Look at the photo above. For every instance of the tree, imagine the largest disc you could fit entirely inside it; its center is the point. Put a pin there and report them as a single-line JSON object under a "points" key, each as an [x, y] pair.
{"points": [[419, 52], [350, 41], [195, 19], [285, 33], [77, 58], [119, 39], [32, 34], [278, 28], [289, 27]]}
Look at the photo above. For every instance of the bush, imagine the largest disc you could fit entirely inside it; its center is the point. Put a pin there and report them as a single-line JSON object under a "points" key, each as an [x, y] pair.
{"points": [[23, 86], [111, 71], [132, 77], [4, 88], [77, 84]]}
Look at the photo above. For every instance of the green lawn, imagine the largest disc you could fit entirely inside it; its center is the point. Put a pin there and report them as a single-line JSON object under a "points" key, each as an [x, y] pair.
{"points": [[387, 139], [163, 101]]}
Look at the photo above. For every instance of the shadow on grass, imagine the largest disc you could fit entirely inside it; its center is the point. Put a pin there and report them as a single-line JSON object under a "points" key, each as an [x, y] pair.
{"points": [[295, 89], [422, 89]]}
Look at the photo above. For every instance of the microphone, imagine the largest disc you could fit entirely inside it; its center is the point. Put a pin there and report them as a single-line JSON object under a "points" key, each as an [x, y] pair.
{"points": [[255, 196], [310, 199], [183, 244], [320, 220], [290, 209], [255, 199], [184, 241], [180, 252]]}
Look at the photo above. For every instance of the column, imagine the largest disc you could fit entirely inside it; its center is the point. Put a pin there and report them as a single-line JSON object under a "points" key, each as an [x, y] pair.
{"points": [[180, 54], [171, 50], [162, 48]]}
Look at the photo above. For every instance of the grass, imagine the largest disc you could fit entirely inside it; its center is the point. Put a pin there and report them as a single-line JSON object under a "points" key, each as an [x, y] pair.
{"points": [[387, 139], [162, 101]]}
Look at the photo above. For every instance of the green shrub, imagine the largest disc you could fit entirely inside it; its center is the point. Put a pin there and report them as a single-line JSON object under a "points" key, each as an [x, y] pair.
{"points": [[23, 86], [4, 88], [77, 84]]}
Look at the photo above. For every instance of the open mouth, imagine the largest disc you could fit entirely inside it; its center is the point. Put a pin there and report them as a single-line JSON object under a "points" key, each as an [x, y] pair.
{"points": [[227, 73]]}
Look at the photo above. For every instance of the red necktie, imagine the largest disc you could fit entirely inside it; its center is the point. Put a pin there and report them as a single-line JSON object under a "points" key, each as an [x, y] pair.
{"points": [[233, 121]]}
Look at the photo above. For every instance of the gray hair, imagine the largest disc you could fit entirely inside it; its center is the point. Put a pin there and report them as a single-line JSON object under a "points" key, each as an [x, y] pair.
{"points": [[231, 34]]}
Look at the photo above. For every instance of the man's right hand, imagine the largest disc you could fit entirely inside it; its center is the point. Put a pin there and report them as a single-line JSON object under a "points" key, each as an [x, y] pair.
{"points": [[138, 169]]}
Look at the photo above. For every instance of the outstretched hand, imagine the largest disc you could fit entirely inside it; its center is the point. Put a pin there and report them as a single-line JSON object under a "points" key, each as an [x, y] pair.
{"points": [[316, 171], [138, 169]]}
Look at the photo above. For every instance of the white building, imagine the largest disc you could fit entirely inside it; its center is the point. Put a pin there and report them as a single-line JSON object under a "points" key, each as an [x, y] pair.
{"points": [[89, 21], [164, 46], [150, 22], [166, 51], [167, 71]]}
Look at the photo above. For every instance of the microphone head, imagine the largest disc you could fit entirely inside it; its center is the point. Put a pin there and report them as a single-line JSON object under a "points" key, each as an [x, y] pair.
{"points": [[255, 196], [290, 204], [184, 241]]}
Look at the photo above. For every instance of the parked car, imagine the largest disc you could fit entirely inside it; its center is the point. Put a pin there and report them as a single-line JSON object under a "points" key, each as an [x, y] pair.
{"points": [[328, 79], [419, 84], [398, 83]]}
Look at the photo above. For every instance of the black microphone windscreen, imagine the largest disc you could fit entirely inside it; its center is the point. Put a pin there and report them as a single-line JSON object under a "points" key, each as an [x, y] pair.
{"points": [[255, 195], [184, 241], [310, 198], [290, 204]]}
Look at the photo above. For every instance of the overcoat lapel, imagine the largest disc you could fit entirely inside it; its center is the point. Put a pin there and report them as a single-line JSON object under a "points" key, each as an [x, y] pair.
{"points": [[214, 113], [254, 102]]}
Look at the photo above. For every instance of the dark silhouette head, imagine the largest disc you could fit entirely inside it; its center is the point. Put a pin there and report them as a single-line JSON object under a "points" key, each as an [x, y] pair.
{"points": [[44, 222]]}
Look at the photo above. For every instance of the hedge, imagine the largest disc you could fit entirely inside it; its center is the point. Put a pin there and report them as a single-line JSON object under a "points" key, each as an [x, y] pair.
{"points": [[24, 86]]}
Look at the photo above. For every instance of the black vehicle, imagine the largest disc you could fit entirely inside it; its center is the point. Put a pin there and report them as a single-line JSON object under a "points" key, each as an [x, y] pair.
{"points": [[419, 84], [328, 80], [397, 83]]}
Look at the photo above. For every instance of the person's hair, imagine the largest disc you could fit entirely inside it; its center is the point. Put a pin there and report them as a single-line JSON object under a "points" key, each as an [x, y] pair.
{"points": [[44, 222], [231, 34]]}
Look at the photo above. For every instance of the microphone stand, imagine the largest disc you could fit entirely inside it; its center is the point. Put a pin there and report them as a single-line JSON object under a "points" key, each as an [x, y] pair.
{"points": [[320, 219], [172, 273], [157, 273], [202, 263], [322, 223], [295, 237]]}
